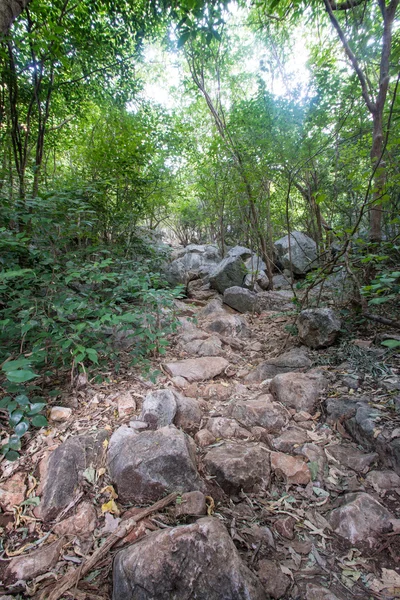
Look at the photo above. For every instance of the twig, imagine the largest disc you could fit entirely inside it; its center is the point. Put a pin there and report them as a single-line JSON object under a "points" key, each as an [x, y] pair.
{"points": [[382, 320], [124, 528]]}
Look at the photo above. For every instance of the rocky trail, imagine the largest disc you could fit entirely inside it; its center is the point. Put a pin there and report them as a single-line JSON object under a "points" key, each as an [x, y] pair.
{"points": [[277, 467]]}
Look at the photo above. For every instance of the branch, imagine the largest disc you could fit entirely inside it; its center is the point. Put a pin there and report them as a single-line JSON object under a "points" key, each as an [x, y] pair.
{"points": [[356, 65], [382, 320], [346, 5]]}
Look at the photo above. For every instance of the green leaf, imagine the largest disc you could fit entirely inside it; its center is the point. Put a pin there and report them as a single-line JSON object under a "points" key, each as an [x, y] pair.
{"points": [[36, 408], [15, 417], [22, 400], [14, 442], [13, 365], [39, 421], [21, 428], [12, 456], [21, 376], [391, 343]]}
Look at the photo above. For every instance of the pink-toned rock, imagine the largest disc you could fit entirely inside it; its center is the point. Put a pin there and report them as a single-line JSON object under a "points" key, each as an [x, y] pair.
{"points": [[361, 518], [290, 439], [192, 504], [285, 527], [261, 412], [204, 438], [224, 428], [126, 405], [12, 492], [33, 564], [239, 466], [350, 457], [298, 390], [383, 481], [292, 468], [274, 581], [60, 413], [197, 369], [180, 382], [218, 391], [317, 592], [81, 524], [188, 413]]}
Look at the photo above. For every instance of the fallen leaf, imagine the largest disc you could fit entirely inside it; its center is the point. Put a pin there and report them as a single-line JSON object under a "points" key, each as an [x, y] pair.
{"points": [[110, 507]]}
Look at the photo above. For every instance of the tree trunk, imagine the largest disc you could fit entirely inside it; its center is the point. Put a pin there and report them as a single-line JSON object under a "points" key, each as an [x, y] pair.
{"points": [[9, 11]]}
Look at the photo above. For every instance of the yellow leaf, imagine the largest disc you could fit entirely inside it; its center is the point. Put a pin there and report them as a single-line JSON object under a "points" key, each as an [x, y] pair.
{"points": [[107, 427], [110, 491], [105, 444], [210, 505], [101, 472], [110, 507]]}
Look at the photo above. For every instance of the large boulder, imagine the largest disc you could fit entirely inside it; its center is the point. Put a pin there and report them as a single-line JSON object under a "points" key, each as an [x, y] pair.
{"points": [[146, 466], [228, 325], [298, 390], [197, 369], [237, 466], [302, 255], [293, 360], [193, 262], [261, 412], [198, 561], [318, 327], [65, 470], [361, 518], [229, 272], [241, 299]]}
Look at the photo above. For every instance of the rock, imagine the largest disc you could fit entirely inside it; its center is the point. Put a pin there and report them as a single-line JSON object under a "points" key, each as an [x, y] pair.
{"points": [[275, 301], [197, 369], [192, 504], [261, 411], [195, 262], [214, 307], [231, 271], [298, 390], [228, 325], [316, 459], [239, 466], [138, 425], [180, 382], [200, 289], [383, 481], [159, 408], [12, 491], [126, 404], [294, 360], [224, 428], [302, 255], [289, 439], [188, 413], [60, 413], [213, 570], [31, 565], [211, 346], [285, 527], [65, 468], [318, 327], [281, 282], [293, 469], [219, 391], [204, 438], [274, 581], [350, 457], [148, 465], [241, 299], [81, 524], [360, 518], [317, 592]]}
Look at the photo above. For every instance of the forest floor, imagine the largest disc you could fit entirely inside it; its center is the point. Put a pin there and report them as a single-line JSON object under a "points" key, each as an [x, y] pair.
{"points": [[284, 532]]}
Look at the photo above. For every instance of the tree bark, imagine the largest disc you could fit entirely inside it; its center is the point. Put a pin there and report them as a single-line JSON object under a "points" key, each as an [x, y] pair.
{"points": [[9, 11]]}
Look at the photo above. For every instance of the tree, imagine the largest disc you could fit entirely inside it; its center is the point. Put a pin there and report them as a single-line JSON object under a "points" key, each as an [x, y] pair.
{"points": [[9, 11]]}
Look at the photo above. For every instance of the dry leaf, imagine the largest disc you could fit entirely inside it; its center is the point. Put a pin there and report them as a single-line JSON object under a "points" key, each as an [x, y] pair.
{"points": [[110, 507], [390, 583]]}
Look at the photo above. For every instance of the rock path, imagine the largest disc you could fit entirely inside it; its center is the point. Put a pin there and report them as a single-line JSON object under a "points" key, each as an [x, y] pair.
{"points": [[287, 471]]}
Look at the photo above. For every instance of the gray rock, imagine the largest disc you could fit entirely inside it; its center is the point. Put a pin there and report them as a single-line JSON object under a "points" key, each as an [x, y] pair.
{"points": [[274, 581], [318, 327], [228, 325], [65, 469], [241, 299], [241, 252], [159, 409], [383, 481], [239, 466], [146, 466], [197, 561], [225, 428], [275, 301], [197, 369], [213, 307], [34, 564], [188, 413], [211, 346], [298, 390], [351, 457], [361, 518], [231, 271], [281, 282], [261, 411], [294, 360], [289, 439], [194, 262], [303, 252]]}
